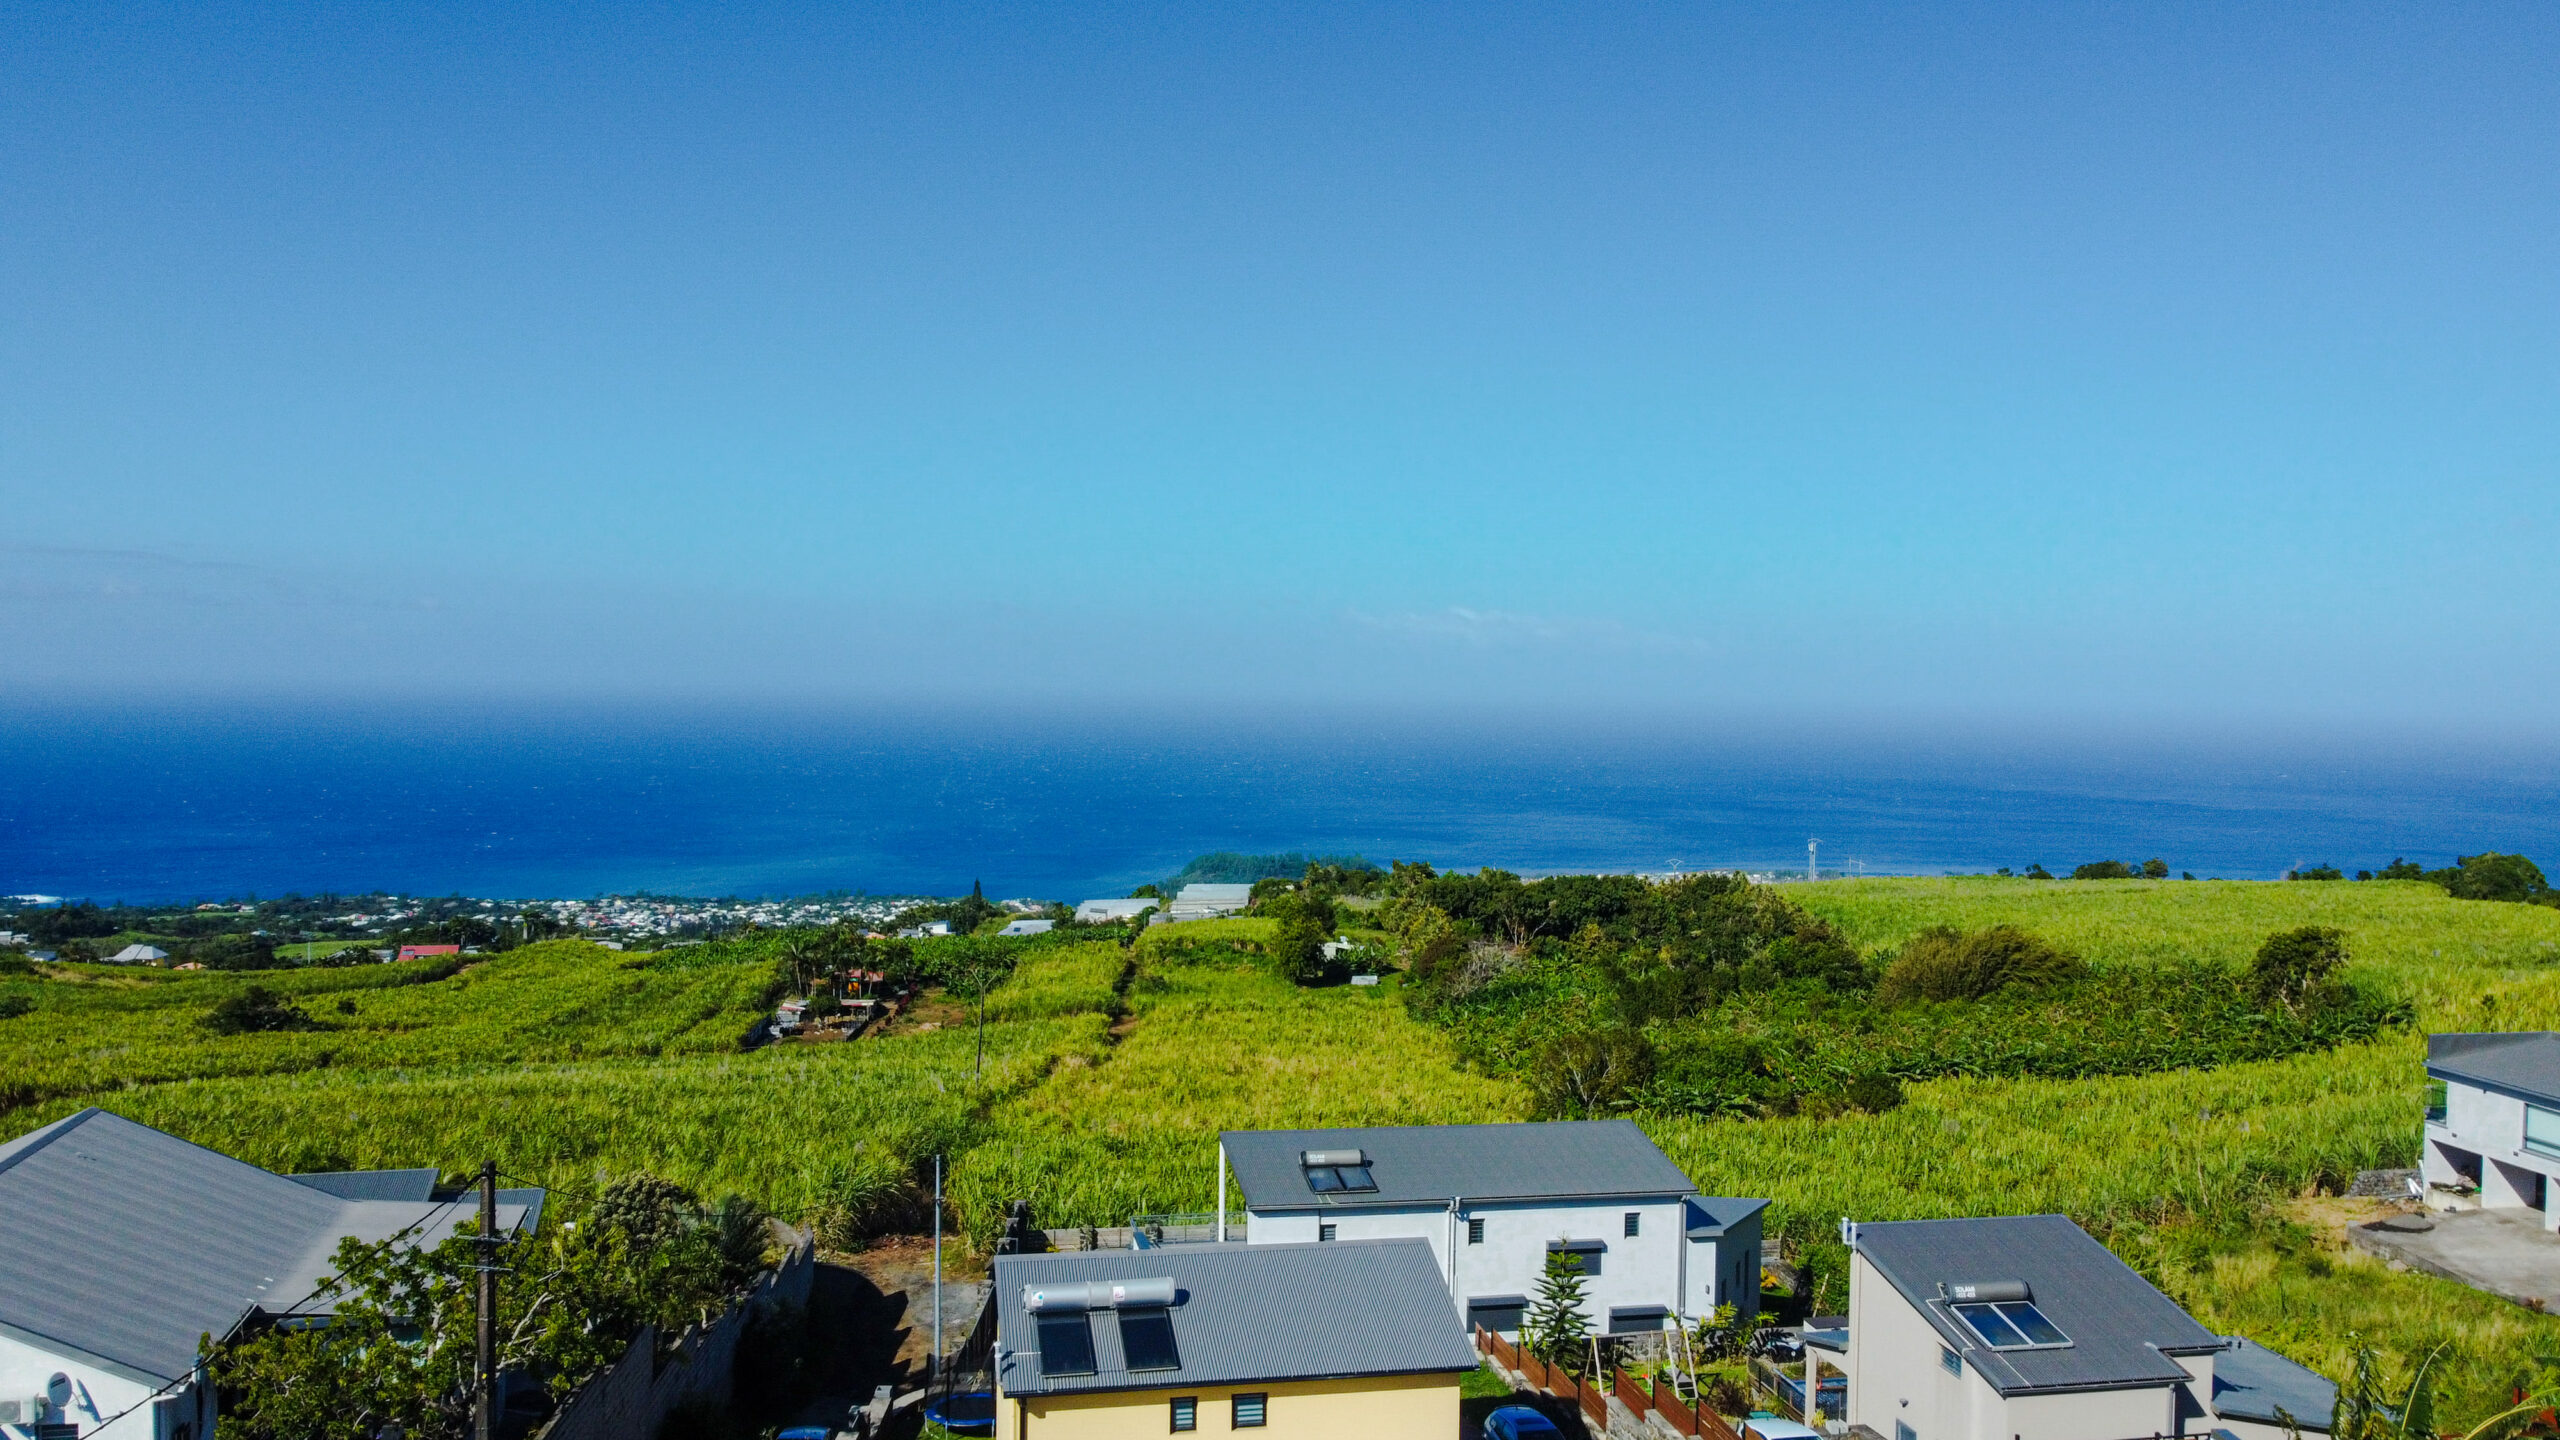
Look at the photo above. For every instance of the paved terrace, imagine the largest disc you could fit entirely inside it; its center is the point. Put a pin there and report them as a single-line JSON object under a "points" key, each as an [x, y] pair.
{"points": [[2503, 1252]]}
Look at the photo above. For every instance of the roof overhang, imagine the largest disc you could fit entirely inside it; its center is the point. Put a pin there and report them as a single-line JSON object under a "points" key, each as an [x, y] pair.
{"points": [[93, 1360], [2494, 1087]]}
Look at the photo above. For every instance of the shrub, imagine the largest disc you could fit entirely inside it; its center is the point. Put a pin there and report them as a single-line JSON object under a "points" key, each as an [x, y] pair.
{"points": [[17, 965], [2293, 965], [2155, 868], [254, 1011], [13, 1006], [2315, 872], [1591, 1072], [2492, 876], [1942, 963], [1875, 1094], [2103, 870]]}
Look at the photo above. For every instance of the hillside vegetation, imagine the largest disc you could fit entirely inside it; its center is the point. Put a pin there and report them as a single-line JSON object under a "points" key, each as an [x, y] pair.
{"points": [[1110, 1068]]}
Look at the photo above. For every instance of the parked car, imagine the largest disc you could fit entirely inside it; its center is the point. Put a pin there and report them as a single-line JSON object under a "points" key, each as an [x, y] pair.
{"points": [[1519, 1422], [1778, 1430]]}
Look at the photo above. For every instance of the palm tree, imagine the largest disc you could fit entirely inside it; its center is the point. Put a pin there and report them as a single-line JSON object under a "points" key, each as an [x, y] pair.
{"points": [[806, 954]]}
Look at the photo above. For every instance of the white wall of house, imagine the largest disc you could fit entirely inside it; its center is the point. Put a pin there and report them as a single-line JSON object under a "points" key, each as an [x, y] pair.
{"points": [[2482, 1137], [1636, 1272], [1899, 1376], [102, 1402], [1726, 1271]]}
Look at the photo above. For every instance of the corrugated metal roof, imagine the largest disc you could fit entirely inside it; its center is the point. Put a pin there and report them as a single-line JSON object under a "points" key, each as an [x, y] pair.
{"points": [[417, 1184], [1250, 1313], [2118, 1324], [2525, 1063], [2251, 1382], [125, 1244], [1432, 1164]]}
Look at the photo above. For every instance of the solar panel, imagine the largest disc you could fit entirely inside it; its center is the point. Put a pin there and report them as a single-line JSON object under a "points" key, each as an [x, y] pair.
{"points": [[2011, 1325], [1323, 1179], [1146, 1339], [1356, 1177], [1066, 1345]]}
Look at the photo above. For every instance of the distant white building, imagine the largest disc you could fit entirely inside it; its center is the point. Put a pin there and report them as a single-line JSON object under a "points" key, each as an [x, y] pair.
{"points": [[925, 931], [1029, 927], [1201, 902], [138, 955], [1104, 912]]}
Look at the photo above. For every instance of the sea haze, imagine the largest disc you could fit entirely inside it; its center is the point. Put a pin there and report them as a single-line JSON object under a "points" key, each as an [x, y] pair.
{"points": [[169, 805]]}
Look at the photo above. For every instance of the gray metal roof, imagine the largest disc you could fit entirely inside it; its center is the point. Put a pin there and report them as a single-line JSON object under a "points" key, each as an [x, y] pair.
{"points": [[2122, 1330], [1433, 1164], [2523, 1063], [419, 1184], [2251, 1382], [126, 1244], [1708, 1217], [1249, 1313]]}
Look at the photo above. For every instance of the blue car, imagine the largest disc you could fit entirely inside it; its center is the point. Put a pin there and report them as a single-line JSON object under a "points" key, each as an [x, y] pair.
{"points": [[1519, 1422]]}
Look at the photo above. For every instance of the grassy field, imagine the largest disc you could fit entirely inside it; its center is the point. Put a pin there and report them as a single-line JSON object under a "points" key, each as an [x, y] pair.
{"points": [[1111, 1071]]}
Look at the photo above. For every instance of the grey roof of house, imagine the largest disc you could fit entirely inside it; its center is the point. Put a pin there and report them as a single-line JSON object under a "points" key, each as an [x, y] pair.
{"points": [[1216, 894], [419, 1184], [137, 1242], [1708, 1217], [1433, 1164], [1244, 1314], [2523, 1063], [2122, 1330], [2251, 1382]]}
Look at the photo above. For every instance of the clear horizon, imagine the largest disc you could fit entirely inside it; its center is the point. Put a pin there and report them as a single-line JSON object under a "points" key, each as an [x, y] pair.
{"points": [[2183, 367]]}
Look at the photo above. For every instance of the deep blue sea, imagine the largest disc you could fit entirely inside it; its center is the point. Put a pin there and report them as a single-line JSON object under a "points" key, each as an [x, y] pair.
{"points": [[165, 804]]}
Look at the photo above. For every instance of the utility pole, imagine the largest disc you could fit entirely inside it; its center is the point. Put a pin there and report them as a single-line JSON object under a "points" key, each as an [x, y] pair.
{"points": [[933, 1374], [484, 1422]]}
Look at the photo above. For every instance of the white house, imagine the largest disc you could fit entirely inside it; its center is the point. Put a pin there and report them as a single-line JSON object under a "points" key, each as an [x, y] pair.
{"points": [[138, 955], [2024, 1328], [2493, 1125], [1493, 1201], [121, 1245], [1104, 912], [1202, 902], [1028, 927]]}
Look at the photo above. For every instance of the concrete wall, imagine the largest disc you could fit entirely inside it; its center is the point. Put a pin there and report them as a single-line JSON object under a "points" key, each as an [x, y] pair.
{"points": [[1642, 1271], [628, 1401], [1396, 1407], [2487, 1130]]}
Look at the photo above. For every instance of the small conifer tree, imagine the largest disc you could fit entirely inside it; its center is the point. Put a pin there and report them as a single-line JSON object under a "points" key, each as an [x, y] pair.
{"points": [[1557, 1326]]}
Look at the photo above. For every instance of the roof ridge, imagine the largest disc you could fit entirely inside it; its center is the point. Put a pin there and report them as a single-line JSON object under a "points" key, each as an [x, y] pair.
{"points": [[15, 1150]]}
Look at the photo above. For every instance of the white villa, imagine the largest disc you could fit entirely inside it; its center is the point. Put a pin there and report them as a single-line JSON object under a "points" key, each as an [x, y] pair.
{"points": [[2493, 1120], [1493, 1201]]}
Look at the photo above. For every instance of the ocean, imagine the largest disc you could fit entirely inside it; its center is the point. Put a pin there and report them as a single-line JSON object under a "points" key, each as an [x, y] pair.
{"points": [[162, 804]]}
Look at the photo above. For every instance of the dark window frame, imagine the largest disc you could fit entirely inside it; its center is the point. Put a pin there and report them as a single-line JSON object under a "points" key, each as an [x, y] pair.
{"points": [[1327, 1232], [1475, 1230], [1635, 1225], [1184, 1414], [1261, 1402]]}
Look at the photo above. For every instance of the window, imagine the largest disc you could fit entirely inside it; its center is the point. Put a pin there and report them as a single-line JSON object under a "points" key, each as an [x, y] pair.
{"points": [[1637, 1320], [1146, 1339], [1066, 1345], [2541, 1130], [2435, 1100], [1635, 1223], [1475, 1232], [1904, 1432], [1586, 1252], [1325, 1231], [1249, 1410], [1499, 1313], [2011, 1325], [1950, 1361], [1186, 1413]]}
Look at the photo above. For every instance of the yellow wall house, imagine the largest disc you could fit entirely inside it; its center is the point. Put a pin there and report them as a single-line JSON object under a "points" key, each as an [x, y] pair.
{"points": [[1280, 1342]]}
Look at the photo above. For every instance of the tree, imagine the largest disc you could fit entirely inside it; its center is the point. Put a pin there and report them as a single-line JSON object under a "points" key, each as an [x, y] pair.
{"points": [[1557, 1326], [2492, 876], [2103, 870], [1941, 963], [2400, 869], [1591, 1072], [2293, 965], [1296, 947], [2155, 868], [2322, 871], [2038, 872], [257, 1010]]}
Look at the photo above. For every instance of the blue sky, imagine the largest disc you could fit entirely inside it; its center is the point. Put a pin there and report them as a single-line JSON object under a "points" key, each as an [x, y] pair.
{"points": [[2038, 360]]}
